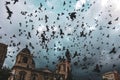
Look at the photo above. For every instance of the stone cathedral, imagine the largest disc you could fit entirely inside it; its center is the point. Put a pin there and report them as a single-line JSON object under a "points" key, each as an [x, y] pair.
{"points": [[24, 69]]}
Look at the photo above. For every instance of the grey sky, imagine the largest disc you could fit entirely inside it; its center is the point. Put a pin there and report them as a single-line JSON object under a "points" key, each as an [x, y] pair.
{"points": [[100, 20]]}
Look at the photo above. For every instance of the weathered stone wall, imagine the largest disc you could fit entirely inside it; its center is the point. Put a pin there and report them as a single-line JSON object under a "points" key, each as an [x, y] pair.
{"points": [[3, 52]]}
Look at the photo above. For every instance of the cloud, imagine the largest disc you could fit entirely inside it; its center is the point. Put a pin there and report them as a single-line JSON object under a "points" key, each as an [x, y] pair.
{"points": [[73, 28], [114, 3], [79, 4]]}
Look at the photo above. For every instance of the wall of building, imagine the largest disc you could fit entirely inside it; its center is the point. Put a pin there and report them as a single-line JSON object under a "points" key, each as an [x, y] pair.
{"points": [[3, 52]]}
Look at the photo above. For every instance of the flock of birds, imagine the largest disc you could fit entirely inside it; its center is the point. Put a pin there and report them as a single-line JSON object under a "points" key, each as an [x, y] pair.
{"points": [[78, 34]]}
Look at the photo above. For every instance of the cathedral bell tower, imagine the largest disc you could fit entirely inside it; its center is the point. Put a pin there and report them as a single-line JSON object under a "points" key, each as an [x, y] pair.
{"points": [[64, 68], [25, 59], [24, 66]]}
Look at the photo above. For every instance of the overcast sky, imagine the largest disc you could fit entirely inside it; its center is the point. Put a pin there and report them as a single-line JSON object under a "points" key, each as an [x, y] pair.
{"points": [[48, 28]]}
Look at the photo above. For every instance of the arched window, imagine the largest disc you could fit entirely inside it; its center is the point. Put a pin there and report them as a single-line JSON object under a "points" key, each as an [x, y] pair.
{"points": [[62, 67], [25, 60], [22, 75]]}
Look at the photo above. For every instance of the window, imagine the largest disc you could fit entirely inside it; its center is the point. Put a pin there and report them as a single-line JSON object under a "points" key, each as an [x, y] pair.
{"points": [[25, 60], [62, 68], [22, 75], [34, 77]]}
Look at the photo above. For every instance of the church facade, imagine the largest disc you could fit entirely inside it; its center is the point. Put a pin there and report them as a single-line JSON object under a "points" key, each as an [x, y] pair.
{"points": [[24, 69]]}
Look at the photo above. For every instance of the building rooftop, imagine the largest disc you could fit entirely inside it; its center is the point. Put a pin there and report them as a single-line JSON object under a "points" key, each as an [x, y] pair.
{"points": [[25, 50]]}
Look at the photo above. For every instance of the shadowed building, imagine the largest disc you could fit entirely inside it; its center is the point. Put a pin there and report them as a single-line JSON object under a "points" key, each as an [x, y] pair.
{"points": [[3, 52], [114, 75], [64, 68], [24, 69]]}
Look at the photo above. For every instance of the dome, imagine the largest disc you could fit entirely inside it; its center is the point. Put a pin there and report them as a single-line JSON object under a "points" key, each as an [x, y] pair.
{"points": [[25, 50]]}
